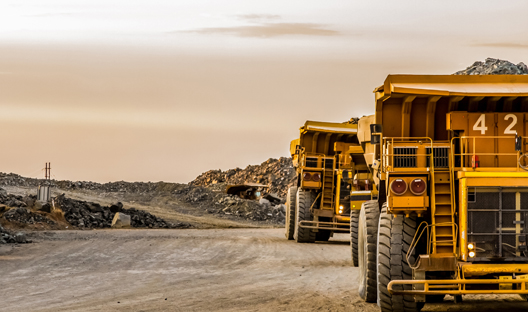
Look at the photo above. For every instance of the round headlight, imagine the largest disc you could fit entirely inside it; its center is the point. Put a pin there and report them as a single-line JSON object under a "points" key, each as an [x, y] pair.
{"points": [[471, 246], [316, 177], [418, 186], [472, 254], [307, 176], [398, 186]]}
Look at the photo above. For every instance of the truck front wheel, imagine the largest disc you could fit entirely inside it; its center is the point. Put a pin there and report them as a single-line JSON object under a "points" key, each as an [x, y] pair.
{"points": [[395, 236], [354, 220], [304, 202], [367, 243], [289, 224]]}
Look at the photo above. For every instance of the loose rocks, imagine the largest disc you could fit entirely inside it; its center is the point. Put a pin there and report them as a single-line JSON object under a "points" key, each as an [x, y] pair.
{"points": [[277, 174], [92, 215], [494, 67]]}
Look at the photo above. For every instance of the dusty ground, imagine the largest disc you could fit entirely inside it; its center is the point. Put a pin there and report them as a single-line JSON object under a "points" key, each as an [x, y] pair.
{"points": [[187, 270]]}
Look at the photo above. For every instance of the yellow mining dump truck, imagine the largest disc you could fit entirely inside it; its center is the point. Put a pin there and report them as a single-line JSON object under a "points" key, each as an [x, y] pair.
{"points": [[327, 158], [451, 218]]}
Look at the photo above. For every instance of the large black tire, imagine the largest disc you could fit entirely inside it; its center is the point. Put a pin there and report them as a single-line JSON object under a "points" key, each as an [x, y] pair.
{"points": [[304, 201], [290, 212], [323, 235], [395, 236], [367, 244], [354, 220]]}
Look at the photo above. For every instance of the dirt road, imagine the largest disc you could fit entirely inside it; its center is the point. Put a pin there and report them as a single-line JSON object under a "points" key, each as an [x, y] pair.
{"points": [[187, 270]]}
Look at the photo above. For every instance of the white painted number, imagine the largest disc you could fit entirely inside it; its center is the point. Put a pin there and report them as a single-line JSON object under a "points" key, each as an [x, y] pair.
{"points": [[514, 122], [482, 122]]}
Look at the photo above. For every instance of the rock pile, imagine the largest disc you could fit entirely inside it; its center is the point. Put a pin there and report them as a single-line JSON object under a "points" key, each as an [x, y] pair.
{"points": [[92, 215], [7, 237], [494, 67], [26, 216], [277, 174], [218, 202]]}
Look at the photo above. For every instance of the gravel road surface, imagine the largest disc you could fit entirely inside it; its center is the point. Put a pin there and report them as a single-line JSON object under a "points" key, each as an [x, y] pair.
{"points": [[189, 270]]}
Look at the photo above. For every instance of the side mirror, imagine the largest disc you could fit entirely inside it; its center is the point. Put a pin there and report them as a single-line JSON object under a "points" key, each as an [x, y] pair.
{"points": [[375, 139], [376, 128], [518, 143], [297, 149], [375, 134]]}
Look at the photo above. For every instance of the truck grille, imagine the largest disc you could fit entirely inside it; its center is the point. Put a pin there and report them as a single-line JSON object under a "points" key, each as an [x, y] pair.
{"points": [[311, 162], [440, 157], [497, 223], [405, 157]]}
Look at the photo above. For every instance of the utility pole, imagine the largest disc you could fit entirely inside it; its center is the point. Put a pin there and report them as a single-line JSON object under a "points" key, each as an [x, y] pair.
{"points": [[48, 171]]}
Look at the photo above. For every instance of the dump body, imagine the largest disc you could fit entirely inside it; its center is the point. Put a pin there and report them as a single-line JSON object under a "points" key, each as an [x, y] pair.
{"points": [[451, 159]]}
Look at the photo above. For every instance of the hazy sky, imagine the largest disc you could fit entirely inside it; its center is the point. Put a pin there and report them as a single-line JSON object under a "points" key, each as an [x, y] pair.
{"points": [[165, 90]]}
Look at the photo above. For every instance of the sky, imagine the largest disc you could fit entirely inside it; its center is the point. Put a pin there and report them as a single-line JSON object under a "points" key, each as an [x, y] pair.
{"points": [[165, 90]]}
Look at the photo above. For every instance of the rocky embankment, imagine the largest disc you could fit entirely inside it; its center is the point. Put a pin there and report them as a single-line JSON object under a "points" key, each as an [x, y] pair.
{"points": [[206, 193], [25, 212]]}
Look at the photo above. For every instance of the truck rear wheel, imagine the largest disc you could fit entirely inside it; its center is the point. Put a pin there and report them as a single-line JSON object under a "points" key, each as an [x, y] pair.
{"points": [[367, 242], [354, 219], [290, 212], [395, 236], [304, 202]]}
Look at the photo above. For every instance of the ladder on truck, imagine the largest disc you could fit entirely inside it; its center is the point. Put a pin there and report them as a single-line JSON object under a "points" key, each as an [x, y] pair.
{"points": [[327, 196], [443, 238]]}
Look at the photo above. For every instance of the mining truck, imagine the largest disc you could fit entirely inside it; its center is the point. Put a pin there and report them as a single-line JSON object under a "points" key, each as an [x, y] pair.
{"points": [[448, 156], [328, 160]]}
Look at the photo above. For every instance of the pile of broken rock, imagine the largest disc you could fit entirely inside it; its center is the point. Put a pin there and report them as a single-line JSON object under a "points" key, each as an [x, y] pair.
{"points": [[493, 66], [6, 237], [277, 174], [92, 215]]}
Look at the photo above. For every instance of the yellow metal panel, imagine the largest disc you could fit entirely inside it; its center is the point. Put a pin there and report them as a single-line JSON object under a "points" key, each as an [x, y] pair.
{"points": [[311, 184], [330, 127], [462, 211], [455, 85], [293, 146], [364, 128], [408, 201], [356, 204], [481, 174], [484, 269]]}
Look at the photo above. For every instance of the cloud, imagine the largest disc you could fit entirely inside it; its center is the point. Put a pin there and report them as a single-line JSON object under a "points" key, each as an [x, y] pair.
{"points": [[51, 14], [258, 17], [268, 30], [514, 45]]}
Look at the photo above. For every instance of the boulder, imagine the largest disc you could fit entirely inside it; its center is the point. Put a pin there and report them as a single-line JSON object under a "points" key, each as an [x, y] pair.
{"points": [[20, 238], [264, 201], [121, 220], [273, 198]]}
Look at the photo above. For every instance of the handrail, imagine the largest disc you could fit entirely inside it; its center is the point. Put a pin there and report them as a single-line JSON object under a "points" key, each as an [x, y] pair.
{"points": [[464, 148]]}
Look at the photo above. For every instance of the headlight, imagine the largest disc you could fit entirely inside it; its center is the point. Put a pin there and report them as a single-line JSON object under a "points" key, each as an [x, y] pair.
{"points": [[341, 209], [418, 186], [471, 254], [471, 246], [316, 177], [307, 176], [398, 186]]}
